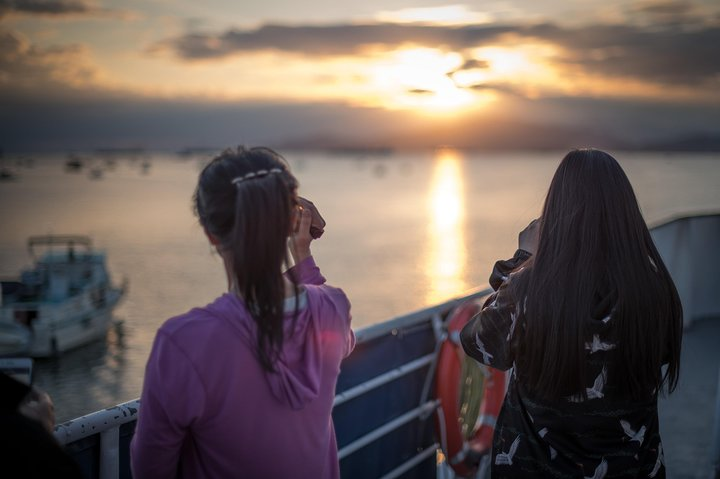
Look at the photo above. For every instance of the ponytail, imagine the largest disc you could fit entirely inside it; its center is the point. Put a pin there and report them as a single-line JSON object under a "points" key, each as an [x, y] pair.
{"points": [[245, 198]]}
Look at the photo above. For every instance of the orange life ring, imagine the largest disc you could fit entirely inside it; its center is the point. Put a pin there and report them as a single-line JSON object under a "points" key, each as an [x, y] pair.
{"points": [[464, 455]]}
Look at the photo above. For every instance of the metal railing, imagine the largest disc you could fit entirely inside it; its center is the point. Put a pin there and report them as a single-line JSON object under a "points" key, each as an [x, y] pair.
{"points": [[106, 424]]}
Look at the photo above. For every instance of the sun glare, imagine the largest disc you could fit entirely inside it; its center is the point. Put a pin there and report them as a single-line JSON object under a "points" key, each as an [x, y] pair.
{"points": [[506, 61], [427, 81], [526, 67], [418, 79], [446, 15], [447, 252], [438, 82]]}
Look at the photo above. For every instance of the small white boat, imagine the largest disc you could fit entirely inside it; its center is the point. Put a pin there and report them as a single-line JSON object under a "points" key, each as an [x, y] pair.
{"points": [[64, 301]]}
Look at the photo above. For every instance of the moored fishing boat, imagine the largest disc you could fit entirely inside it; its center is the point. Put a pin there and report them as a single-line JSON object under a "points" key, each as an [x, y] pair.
{"points": [[387, 412], [65, 300]]}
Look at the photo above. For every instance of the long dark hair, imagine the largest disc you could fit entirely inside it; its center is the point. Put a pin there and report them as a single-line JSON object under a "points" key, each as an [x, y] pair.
{"points": [[593, 245], [245, 198]]}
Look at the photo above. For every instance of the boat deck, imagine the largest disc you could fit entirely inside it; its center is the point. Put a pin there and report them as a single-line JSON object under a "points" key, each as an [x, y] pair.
{"points": [[687, 416]]}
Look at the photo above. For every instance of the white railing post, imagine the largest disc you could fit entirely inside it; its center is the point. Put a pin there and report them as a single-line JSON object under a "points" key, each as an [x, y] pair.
{"points": [[715, 451], [110, 453]]}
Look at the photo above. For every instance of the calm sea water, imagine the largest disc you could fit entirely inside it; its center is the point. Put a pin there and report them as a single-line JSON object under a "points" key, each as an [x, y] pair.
{"points": [[404, 231]]}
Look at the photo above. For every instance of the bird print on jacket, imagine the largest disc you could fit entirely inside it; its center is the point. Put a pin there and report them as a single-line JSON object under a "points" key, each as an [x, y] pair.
{"points": [[595, 392], [590, 434], [487, 357], [638, 436], [600, 471], [659, 462], [598, 345], [506, 457]]}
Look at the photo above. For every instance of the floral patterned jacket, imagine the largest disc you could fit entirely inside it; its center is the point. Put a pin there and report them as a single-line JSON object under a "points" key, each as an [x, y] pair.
{"points": [[573, 437]]}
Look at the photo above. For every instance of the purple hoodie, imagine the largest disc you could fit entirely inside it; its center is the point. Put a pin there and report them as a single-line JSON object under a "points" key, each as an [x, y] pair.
{"points": [[209, 410]]}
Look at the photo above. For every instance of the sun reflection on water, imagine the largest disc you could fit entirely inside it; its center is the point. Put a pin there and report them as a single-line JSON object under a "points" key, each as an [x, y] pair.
{"points": [[447, 254]]}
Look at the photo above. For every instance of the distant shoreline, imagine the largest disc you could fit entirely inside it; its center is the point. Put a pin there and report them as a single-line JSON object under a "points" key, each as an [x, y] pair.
{"points": [[670, 148]]}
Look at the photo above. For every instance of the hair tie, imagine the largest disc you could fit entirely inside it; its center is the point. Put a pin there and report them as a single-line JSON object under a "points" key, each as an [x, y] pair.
{"points": [[255, 174]]}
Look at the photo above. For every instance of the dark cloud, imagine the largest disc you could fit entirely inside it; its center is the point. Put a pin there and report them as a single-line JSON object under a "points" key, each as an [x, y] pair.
{"points": [[667, 12], [473, 64], [470, 64], [92, 119], [62, 8], [45, 7], [669, 54], [27, 67], [497, 87], [666, 7], [327, 40]]}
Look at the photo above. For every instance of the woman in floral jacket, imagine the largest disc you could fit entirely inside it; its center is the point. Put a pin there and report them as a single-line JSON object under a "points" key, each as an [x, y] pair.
{"points": [[590, 322]]}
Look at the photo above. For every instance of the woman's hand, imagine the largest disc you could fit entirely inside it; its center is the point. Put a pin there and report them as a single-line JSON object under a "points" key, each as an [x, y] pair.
{"points": [[528, 238], [317, 225], [300, 239], [38, 406]]}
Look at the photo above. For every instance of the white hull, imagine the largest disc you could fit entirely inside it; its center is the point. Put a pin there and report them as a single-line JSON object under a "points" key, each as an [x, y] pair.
{"points": [[13, 339], [64, 325], [66, 300]]}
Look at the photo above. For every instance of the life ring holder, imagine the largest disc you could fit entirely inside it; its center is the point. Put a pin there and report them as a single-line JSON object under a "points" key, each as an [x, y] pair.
{"points": [[463, 455]]}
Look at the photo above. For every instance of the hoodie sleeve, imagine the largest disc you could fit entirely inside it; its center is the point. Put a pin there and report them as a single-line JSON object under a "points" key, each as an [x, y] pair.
{"points": [[342, 304], [172, 398], [487, 337], [306, 272], [332, 308], [503, 268]]}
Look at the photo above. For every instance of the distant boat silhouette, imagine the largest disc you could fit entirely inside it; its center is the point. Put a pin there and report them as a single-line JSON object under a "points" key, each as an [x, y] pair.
{"points": [[199, 151], [96, 173], [7, 175], [145, 166], [74, 163]]}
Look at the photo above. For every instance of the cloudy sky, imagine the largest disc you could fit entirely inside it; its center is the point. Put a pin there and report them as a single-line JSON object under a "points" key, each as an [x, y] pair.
{"points": [[494, 74]]}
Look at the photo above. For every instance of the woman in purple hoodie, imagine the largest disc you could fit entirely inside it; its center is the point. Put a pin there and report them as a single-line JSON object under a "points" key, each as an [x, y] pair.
{"points": [[244, 386]]}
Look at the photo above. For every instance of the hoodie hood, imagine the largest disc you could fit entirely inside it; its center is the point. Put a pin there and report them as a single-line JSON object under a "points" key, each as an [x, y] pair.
{"points": [[297, 377]]}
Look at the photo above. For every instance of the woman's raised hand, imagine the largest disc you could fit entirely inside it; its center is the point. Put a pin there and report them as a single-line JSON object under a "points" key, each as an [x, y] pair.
{"points": [[317, 226], [301, 238]]}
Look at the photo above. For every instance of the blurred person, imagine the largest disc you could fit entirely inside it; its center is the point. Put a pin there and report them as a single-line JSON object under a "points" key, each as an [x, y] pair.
{"points": [[589, 319], [28, 448], [244, 386]]}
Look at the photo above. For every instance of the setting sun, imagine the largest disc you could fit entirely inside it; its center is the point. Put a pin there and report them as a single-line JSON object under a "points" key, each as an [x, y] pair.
{"points": [[419, 79]]}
